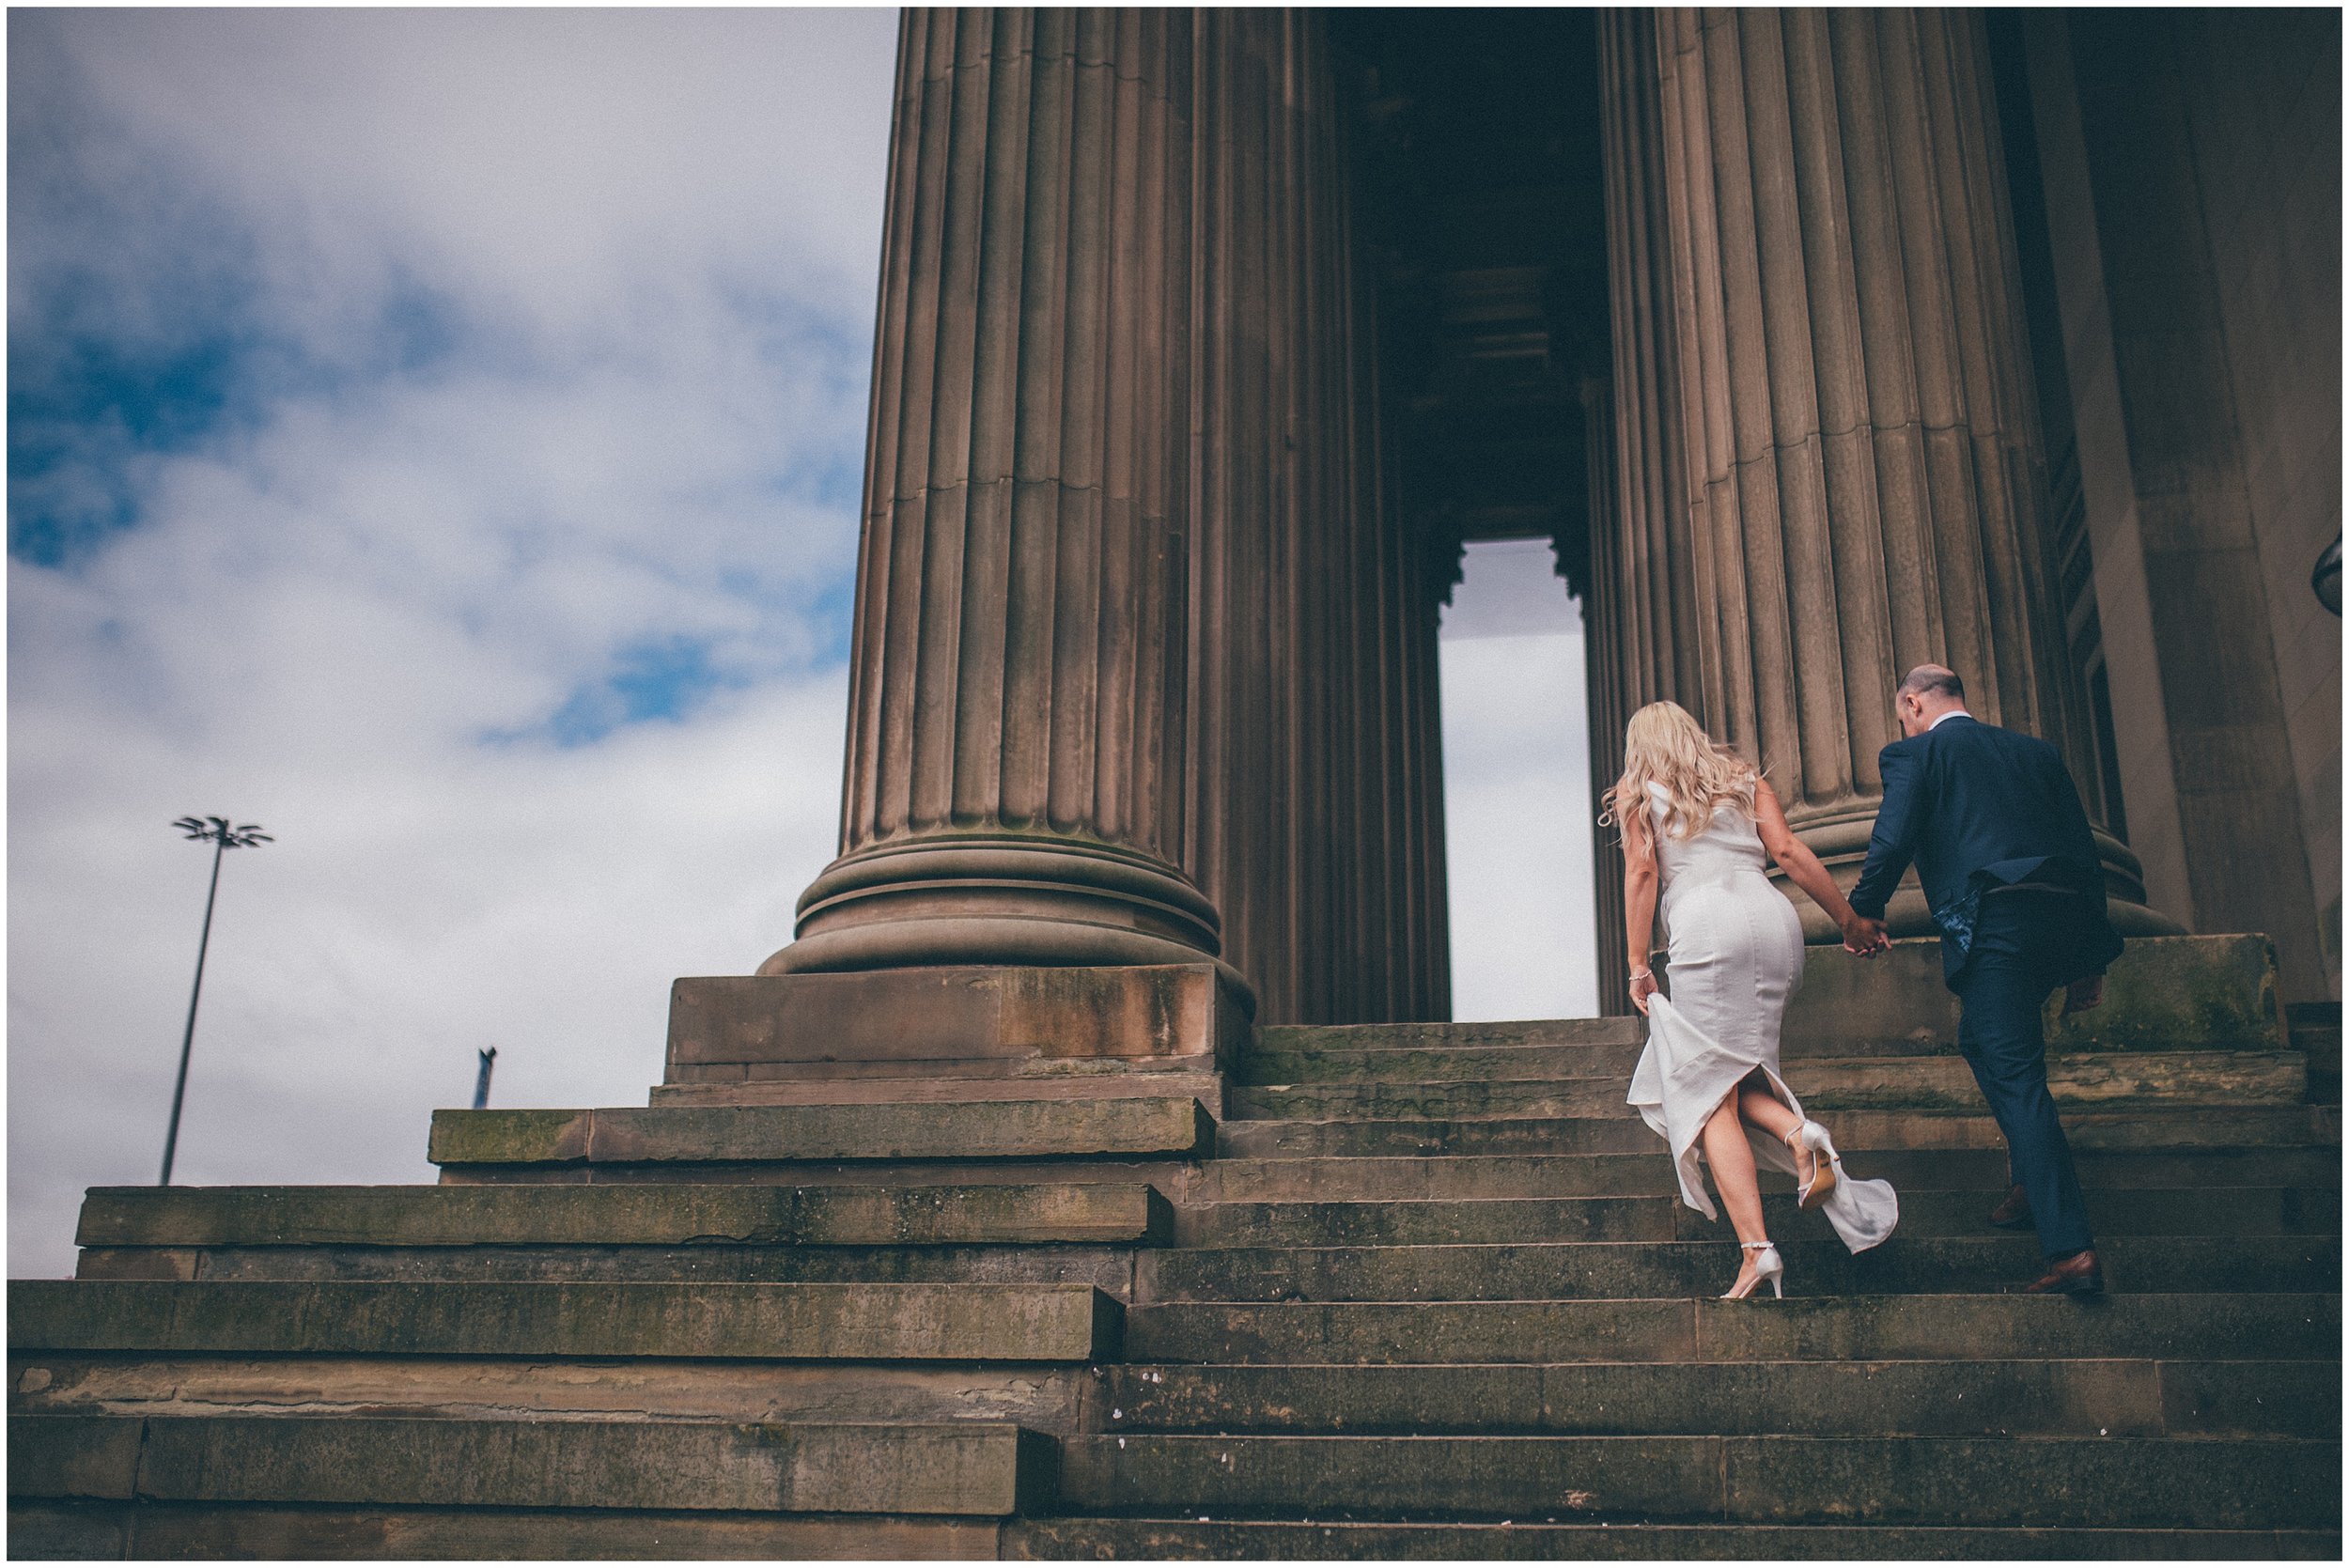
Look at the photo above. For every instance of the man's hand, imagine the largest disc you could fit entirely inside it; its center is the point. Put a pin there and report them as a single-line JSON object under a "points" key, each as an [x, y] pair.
{"points": [[2081, 995], [1865, 937]]}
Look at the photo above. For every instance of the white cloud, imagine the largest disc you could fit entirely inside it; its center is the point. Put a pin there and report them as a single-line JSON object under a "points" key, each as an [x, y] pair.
{"points": [[540, 340], [641, 247], [563, 167]]}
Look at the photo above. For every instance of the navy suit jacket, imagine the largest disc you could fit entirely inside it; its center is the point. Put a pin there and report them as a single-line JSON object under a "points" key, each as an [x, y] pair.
{"points": [[1979, 807]]}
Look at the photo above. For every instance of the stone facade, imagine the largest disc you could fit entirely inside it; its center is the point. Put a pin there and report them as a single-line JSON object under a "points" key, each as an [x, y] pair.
{"points": [[1174, 306]]}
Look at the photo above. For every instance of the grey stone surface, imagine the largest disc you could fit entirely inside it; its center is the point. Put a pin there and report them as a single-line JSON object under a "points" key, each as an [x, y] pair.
{"points": [[1546, 1540], [970, 1468], [616, 1215], [963, 1322], [907, 1029], [1173, 1124], [165, 1530]]}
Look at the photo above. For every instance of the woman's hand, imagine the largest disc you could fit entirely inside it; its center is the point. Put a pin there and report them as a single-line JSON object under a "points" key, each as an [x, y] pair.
{"points": [[1642, 987], [1863, 936]]}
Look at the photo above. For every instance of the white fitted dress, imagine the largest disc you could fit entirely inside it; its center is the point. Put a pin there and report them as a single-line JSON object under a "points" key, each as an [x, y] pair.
{"points": [[1736, 946]]}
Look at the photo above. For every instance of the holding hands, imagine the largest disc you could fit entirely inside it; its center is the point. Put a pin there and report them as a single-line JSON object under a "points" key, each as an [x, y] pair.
{"points": [[1861, 935]]}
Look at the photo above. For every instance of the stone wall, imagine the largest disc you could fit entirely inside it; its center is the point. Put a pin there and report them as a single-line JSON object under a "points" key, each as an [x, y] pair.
{"points": [[2263, 110], [2190, 164]]}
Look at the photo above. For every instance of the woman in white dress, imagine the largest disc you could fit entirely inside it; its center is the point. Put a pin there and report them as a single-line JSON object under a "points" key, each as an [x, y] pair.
{"points": [[1697, 823]]}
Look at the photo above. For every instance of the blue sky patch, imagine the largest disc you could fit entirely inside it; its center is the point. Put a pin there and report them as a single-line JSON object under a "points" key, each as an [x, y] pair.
{"points": [[665, 680]]}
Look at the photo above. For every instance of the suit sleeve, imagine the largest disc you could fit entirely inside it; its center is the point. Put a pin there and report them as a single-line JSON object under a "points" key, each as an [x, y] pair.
{"points": [[1894, 841]]}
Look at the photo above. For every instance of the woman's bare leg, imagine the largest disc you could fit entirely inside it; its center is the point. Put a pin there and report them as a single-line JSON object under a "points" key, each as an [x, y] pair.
{"points": [[1769, 1112], [1765, 1109], [1731, 1159]]}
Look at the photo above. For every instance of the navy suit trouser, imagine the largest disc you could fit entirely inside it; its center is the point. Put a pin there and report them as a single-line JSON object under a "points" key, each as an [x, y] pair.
{"points": [[2002, 987]]}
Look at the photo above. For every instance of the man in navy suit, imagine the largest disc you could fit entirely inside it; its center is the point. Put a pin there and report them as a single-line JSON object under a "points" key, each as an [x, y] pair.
{"points": [[2009, 870]]}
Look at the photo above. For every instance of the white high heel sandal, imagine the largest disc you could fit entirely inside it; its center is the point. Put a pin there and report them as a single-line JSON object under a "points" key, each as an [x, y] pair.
{"points": [[1768, 1265], [1811, 1137]]}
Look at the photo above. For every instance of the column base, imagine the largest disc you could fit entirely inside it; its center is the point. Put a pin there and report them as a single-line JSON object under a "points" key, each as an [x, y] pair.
{"points": [[988, 899]]}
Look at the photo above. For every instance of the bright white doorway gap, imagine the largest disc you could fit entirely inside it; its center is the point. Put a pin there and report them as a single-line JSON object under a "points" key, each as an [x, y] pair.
{"points": [[1518, 789]]}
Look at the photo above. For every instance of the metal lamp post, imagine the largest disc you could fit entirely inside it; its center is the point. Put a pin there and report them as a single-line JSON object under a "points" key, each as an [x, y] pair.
{"points": [[223, 837]]}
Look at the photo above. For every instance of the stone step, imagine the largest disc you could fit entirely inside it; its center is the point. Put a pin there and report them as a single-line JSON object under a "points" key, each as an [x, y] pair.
{"points": [[1451, 1036], [1544, 1271], [1591, 1097], [1537, 1540], [1645, 1269], [150, 1532], [1039, 1395], [1814, 1055], [944, 1088], [973, 1468], [2162, 1128], [621, 1215], [1109, 1268], [1482, 1135], [1002, 1129], [807, 1322], [1455, 1064], [2140, 1211], [2231, 1079], [2068, 1481], [2260, 1327], [2125, 1398], [1364, 1179], [2315, 1028]]}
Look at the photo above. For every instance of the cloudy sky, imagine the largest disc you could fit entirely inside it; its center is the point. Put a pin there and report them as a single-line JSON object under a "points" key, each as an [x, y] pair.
{"points": [[434, 435]]}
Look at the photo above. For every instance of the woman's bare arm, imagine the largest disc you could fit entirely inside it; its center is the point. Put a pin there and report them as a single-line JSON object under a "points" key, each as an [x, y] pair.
{"points": [[1639, 901], [1795, 858]]}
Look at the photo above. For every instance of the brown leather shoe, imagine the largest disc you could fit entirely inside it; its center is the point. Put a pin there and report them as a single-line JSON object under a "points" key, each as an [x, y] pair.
{"points": [[2078, 1275], [2013, 1210]]}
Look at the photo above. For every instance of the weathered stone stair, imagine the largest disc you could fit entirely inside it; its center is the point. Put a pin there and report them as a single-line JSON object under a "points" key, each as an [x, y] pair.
{"points": [[1423, 1291]]}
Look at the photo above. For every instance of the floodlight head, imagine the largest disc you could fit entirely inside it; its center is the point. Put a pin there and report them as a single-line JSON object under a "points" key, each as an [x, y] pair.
{"points": [[219, 831]]}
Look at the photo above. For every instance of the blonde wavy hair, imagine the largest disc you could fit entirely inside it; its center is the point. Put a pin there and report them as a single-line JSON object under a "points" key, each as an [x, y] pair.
{"points": [[1664, 744]]}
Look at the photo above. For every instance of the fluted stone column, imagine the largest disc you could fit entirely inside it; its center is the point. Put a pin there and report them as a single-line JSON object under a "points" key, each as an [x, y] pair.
{"points": [[1646, 641], [1015, 763], [1143, 666], [1317, 810], [1608, 641], [1663, 648], [1863, 482]]}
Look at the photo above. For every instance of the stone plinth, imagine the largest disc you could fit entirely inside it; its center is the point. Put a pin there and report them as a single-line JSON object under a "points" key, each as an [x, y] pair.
{"points": [[2162, 994], [889, 1034]]}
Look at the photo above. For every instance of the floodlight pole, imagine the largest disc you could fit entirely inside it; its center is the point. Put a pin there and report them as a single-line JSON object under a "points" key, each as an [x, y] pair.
{"points": [[187, 1041], [225, 836]]}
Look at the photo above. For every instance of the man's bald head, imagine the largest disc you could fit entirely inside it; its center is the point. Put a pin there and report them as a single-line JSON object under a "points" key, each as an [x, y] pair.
{"points": [[1928, 680], [1925, 693]]}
